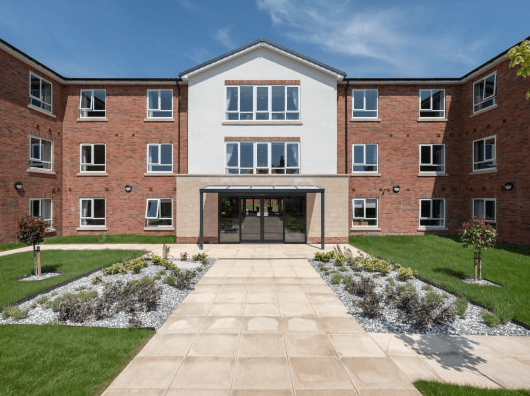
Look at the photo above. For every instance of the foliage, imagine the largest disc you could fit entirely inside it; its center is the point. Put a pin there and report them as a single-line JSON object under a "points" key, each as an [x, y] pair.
{"points": [[364, 286], [157, 260], [391, 281], [339, 259], [133, 265], [433, 296], [31, 231], [336, 278], [180, 279], [15, 312], [433, 388], [168, 280], [491, 319], [504, 310], [96, 279], [294, 223], [165, 250], [460, 306], [183, 256], [375, 264], [520, 55], [202, 257], [370, 305], [324, 257], [405, 274], [475, 232]]}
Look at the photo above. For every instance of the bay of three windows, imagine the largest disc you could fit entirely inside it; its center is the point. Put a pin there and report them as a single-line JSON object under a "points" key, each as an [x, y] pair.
{"points": [[262, 158]]}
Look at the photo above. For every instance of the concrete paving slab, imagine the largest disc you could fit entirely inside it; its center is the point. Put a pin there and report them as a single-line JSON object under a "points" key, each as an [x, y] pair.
{"points": [[222, 324], [304, 344], [376, 373], [355, 345], [318, 373], [262, 345], [203, 372], [262, 373]]}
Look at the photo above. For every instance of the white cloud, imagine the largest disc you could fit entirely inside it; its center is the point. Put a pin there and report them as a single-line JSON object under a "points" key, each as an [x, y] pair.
{"points": [[199, 55], [222, 36]]}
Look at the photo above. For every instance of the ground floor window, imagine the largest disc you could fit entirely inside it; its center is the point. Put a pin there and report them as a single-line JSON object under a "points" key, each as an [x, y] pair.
{"points": [[432, 212], [364, 212], [158, 212], [484, 208], [92, 211], [41, 207]]}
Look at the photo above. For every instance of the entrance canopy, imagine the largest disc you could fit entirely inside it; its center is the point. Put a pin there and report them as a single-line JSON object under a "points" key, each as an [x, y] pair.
{"points": [[261, 191]]}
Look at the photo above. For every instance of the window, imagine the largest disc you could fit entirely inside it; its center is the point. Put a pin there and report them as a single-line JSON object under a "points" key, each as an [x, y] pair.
{"points": [[484, 156], [432, 213], [485, 93], [364, 212], [484, 208], [432, 103], [364, 158], [432, 158], [92, 158], [92, 103], [41, 207], [364, 103], [262, 158], [160, 158], [158, 212], [40, 93], [262, 103], [92, 212], [159, 103], [40, 153]]}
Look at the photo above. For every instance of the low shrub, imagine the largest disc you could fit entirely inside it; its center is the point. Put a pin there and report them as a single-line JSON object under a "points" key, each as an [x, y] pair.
{"points": [[96, 279], [114, 269], [156, 259], [183, 256], [405, 274], [180, 279], [15, 312], [491, 319], [336, 278], [82, 296], [391, 281], [504, 310], [324, 257], [364, 286], [168, 280], [427, 288], [370, 305], [200, 257], [322, 267], [376, 265], [339, 259], [460, 306], [342, 269], [433, 296]]}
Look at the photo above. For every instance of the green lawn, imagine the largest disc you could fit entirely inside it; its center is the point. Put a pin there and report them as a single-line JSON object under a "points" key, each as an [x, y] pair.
{"points": [[63, 360], [442, 261], [432, 388], [70, 263], [11, 246]]}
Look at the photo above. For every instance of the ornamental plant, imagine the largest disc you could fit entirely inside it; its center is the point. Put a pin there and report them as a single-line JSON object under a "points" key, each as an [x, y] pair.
{"points": [[31, 232], [475, 232], [520, 55]]}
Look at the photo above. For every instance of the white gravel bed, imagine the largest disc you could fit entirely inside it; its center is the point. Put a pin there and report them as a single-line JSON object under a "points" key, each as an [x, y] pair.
{"points": [[170, 298], [390, 320]]}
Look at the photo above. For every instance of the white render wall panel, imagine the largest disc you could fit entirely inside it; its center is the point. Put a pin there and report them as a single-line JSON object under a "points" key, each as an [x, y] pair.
{"points": [[318, 112]]}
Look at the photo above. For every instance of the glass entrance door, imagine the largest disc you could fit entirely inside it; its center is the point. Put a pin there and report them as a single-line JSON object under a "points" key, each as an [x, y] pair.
{"points": [[251, 216], [272, 219]]}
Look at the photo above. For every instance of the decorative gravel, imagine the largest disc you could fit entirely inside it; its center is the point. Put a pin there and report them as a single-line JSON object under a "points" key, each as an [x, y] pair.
{"points": [[391, 320], [170, 298]]}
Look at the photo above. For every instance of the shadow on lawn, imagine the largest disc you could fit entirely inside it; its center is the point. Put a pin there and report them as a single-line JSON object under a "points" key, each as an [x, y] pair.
{"points": [[51, 267], [451, 272]]}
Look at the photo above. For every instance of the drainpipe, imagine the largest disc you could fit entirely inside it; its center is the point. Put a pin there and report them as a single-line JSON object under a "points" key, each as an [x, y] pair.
{"points": [[346, 128], [178, 128]]}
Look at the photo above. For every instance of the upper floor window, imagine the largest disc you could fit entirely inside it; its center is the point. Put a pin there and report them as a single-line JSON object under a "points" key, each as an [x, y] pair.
{"points": [[262, 158], [484, 208], [41, 207], [364, 158], [92, 158], [92, 211], [485, 92], [364, 212], [92, 103], [40, 153], [432, 213], [159, 158], [159, 103], [365, 103], [432, 158], [432, 103], [40, 92], [484, 156], [158, 212], [262, 103]]}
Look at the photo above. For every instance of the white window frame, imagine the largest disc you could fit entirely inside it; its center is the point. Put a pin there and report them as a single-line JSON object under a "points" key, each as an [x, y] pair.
{"points": [[269, 166], [159, 163], [40, 201], [484, 200], [364, 218], [91, 216], [441, 172], [43, 162], [493, 159], [84, 165], [41, 104], [364, 104], [270, 113], [158, 211], [443, 218], [430, 109], [480, 105], [84, 111], [150, 111], [353, 163]]}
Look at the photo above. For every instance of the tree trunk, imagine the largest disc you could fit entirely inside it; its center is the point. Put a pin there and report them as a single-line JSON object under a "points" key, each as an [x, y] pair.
{"points": [[478, 266], [39, 272], [34, 259]]}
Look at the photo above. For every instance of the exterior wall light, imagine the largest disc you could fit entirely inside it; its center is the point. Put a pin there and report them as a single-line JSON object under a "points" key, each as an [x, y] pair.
{"points": [[508, 186], [128, 188], [19, 186], [396, 189]]}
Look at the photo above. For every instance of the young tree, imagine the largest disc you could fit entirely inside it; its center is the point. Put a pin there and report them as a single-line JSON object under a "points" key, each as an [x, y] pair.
{"points": [[520, 55], [475, 232], [31, 232]]}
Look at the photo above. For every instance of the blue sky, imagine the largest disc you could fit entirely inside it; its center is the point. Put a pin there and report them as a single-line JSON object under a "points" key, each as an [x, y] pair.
{"points": [[159, 39]]}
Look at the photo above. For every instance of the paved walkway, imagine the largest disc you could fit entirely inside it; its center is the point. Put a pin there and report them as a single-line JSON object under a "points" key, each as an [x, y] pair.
{"points": [[262, 322]]}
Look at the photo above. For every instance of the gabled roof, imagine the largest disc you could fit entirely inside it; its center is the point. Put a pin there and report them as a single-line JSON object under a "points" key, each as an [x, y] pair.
{"points": [[262, 42]]}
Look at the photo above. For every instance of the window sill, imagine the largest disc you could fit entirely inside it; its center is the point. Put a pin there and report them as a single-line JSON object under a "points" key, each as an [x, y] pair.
{"points": [[41, 111], [362, 119], [479, 172], [94, 228], [103, 174], [159, 119], [365, 174], [42, 172], [364, 228], [262, 123], [433, 229], [161, 228], [160, 174], [482, 111], [50, 230], [432, 174], [432, 119], [93, 119]]}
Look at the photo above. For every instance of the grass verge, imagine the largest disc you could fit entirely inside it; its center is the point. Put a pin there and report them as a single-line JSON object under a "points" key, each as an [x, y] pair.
{"points": [[442, 261], [433, 388], [104, 238], [11, 246], [63, 360], [71, 263]]}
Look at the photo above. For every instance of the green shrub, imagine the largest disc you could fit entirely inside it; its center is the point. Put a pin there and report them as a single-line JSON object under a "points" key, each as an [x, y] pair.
{"points": [[81, 296], [407, 288], [460, 306], [168, 280], [324, 257], [405, 274], [156, 260], [391, 281], [135, 265], [183, 256], [504, 310], [322, 267], [376, 265], [336, 278], [433, 296], [15, 312], [342, 269], [375, 276], [43, 300], [114, 269], [491, 319], [364, 286], [370, 305], [427, 288], [339, 259], [96, 279], [199, 257]]}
